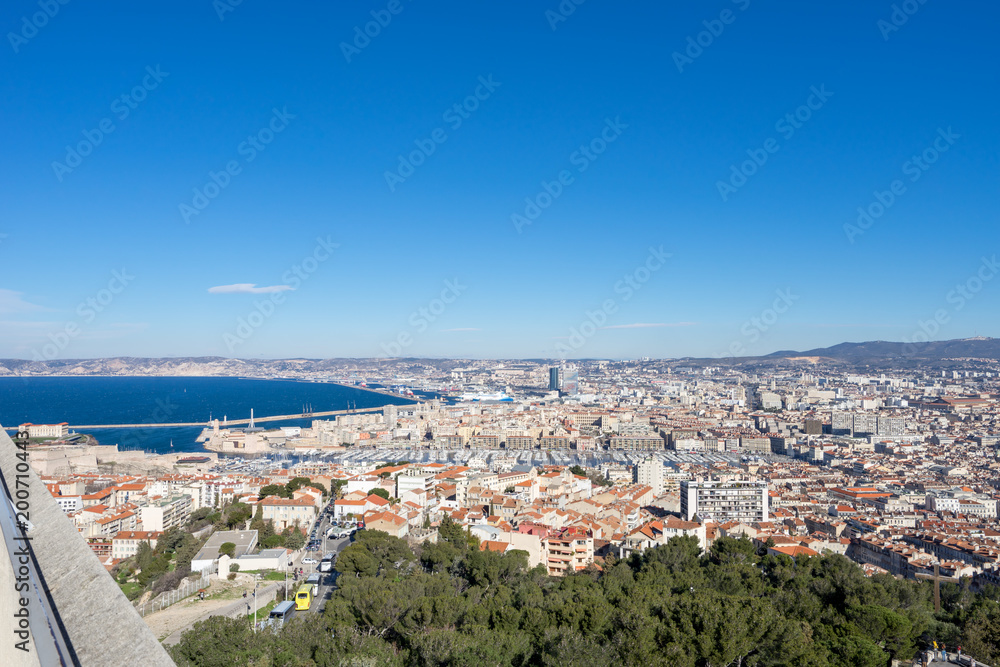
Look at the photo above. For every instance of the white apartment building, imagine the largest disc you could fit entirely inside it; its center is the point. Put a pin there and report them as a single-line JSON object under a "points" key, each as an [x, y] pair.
{"points": [[650, 472], [736, 500], [69, 503], [962, 503], [165, 513], [413, 481]]}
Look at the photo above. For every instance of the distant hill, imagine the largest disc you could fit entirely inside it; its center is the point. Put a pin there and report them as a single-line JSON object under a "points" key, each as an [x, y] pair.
{"points": [[870, 355], [879, 353], [192, 366], [979, 347]]}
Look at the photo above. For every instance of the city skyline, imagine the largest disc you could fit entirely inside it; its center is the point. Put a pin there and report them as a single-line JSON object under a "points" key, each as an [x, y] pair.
{"points": [[496, 182]]}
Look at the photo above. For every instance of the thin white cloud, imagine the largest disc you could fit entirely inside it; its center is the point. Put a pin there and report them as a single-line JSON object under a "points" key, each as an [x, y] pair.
{"points": [[649, 325], [248, 288], [11, 302], [461, 329]]}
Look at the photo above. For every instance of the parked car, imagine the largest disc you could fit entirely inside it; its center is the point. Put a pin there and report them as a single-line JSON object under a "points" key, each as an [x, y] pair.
{"points": [[308, 561]]}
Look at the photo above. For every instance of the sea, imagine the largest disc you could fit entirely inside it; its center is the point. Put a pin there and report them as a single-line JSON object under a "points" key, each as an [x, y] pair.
{"points": [[149, 400]]}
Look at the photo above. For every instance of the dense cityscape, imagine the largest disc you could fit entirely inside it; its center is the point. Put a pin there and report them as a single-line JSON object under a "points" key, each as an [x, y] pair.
{"points": [[574, 465]]}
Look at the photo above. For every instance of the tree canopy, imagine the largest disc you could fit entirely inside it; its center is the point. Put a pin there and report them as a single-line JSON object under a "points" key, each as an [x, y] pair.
{"points": [[279, 490], [297, 483], [450, 603]]}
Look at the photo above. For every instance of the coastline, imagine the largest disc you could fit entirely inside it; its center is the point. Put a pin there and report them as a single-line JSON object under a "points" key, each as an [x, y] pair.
{"points": [[154, 438]]}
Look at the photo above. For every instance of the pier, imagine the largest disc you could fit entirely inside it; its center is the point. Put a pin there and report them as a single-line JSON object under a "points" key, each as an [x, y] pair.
{"points": [[231, 422]]}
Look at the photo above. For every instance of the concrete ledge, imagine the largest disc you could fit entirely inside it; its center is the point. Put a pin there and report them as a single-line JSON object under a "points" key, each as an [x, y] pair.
{"points": [[102, 626]]}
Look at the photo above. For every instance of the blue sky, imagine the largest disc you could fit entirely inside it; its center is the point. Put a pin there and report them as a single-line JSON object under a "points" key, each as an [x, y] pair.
{"points": [[662, 122]]}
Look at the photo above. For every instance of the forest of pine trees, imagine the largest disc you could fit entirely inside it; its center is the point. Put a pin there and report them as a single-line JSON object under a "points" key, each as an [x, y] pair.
{"points": [[448, 603]]}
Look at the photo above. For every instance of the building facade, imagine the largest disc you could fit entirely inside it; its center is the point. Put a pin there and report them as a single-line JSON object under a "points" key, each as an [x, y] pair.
{"points": [[166, 513], [721, 501], [650, 473]]}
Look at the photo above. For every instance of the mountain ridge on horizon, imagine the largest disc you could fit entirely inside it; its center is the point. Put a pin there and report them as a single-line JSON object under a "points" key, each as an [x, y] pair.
{"points": [[977, 347]]}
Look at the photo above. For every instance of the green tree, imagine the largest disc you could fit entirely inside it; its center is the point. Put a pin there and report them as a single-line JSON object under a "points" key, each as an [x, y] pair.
{"points": [[379, 491], [438, 556], [857, 651], [375, 552], [452, 532], [981, 635], [157, 566], [199, 516], [294, 539], [679, 554], [666, 606], [279, 490], [228, 549], [144, 555], [222, 642], [265, 529], [297, 483], [237, 514], [885, 628], [729, 550]]}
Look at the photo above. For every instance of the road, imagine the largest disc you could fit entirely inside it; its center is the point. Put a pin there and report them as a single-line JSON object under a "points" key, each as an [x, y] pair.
{"points": [[328, 579]]}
